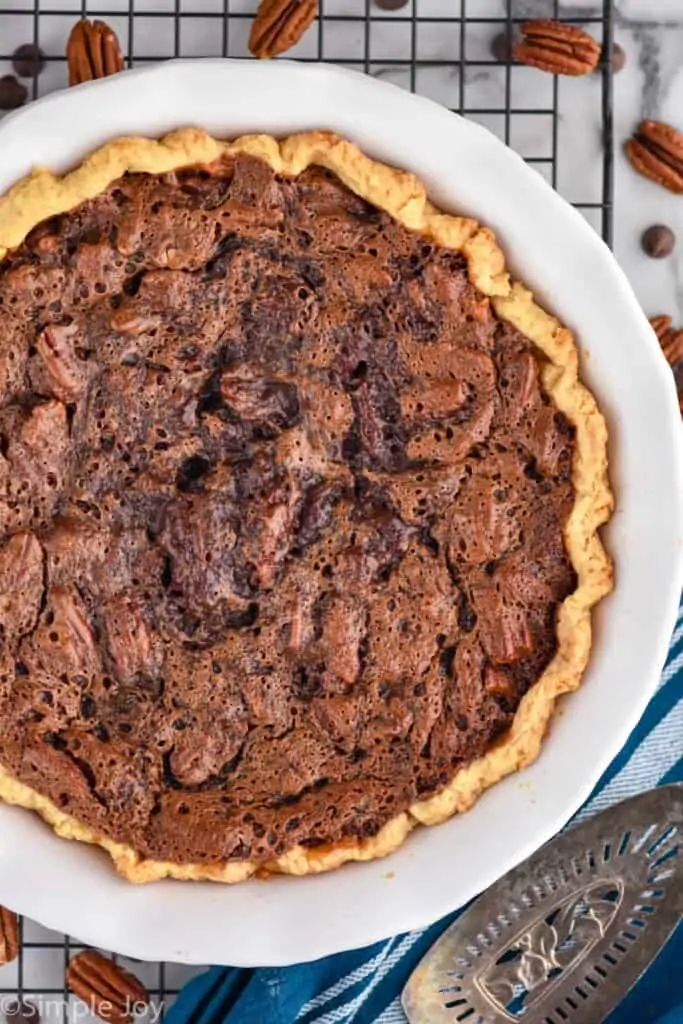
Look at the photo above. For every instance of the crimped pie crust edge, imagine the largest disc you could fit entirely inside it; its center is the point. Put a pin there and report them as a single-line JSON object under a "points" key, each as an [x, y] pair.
{"points": [[42, 195]]}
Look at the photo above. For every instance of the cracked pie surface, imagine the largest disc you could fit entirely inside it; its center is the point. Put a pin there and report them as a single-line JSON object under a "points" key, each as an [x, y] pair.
{"points": [[299, 496]]}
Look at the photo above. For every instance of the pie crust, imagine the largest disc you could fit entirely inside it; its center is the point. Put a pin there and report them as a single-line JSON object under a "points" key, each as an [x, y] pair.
{"points": [[42, 195]]}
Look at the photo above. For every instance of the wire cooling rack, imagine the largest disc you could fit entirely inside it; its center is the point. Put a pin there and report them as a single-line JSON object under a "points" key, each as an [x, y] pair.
{"points": [[439, 48]]}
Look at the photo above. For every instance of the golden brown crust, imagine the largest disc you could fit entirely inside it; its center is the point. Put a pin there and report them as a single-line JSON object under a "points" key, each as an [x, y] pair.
{"points": [[43, 195]]}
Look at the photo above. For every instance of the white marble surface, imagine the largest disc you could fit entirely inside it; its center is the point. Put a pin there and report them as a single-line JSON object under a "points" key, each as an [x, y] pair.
{"points": [[651, 85]]}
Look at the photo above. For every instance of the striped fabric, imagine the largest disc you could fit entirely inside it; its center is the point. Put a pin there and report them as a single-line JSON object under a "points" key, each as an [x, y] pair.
{"points": [[363, 987]]}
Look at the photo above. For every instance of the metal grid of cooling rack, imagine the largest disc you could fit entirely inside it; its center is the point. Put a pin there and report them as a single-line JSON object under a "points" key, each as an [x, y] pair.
{"points": [[37, 978], [440, 48]]}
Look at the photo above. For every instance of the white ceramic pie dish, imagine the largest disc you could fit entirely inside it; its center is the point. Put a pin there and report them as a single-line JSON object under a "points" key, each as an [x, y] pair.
{"points": [[73, 888]]}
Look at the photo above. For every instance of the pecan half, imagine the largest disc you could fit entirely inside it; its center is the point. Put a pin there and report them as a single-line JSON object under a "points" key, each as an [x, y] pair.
{"points": [[558, 48], [670, 338], [92, 52], [109, 991], [280, 24], [660, 325], [656, 151], [671, 341], [672, 347], [9, 936]]}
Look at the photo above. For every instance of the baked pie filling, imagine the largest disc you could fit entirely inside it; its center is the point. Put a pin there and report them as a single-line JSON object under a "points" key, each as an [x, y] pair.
{"points": [[283, 508]]}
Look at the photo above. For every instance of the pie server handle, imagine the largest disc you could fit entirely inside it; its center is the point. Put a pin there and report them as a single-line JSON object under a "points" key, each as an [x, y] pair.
{"points": [[562, 938]]}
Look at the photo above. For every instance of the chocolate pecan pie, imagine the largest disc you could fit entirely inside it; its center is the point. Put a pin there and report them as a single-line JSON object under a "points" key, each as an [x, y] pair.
{"points": [[298, 506]]}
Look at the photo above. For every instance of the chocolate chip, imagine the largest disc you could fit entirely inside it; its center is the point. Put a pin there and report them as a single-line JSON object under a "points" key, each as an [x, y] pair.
{"points": [[563, 425], [28, 60], [191, 471], [658, 241], [532, 472], [467, 617], [54, 740], [167, 572], [501, 47], [360, 371], [88, 707], [446, 659], [243, 618], [618, 58], [391, 5], [21, 1012], [369, 828], [12, 93]]}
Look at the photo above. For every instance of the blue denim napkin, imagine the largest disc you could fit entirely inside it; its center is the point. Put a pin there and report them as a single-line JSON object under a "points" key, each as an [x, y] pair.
{"points": [[364, 986]]}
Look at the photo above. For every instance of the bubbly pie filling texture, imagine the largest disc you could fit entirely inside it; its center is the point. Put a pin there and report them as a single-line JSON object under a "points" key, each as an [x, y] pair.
{"points": [[281, 511]]}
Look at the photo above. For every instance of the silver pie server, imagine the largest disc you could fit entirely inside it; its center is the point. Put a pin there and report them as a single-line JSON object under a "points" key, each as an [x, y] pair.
{"points": [[562, 937]]}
